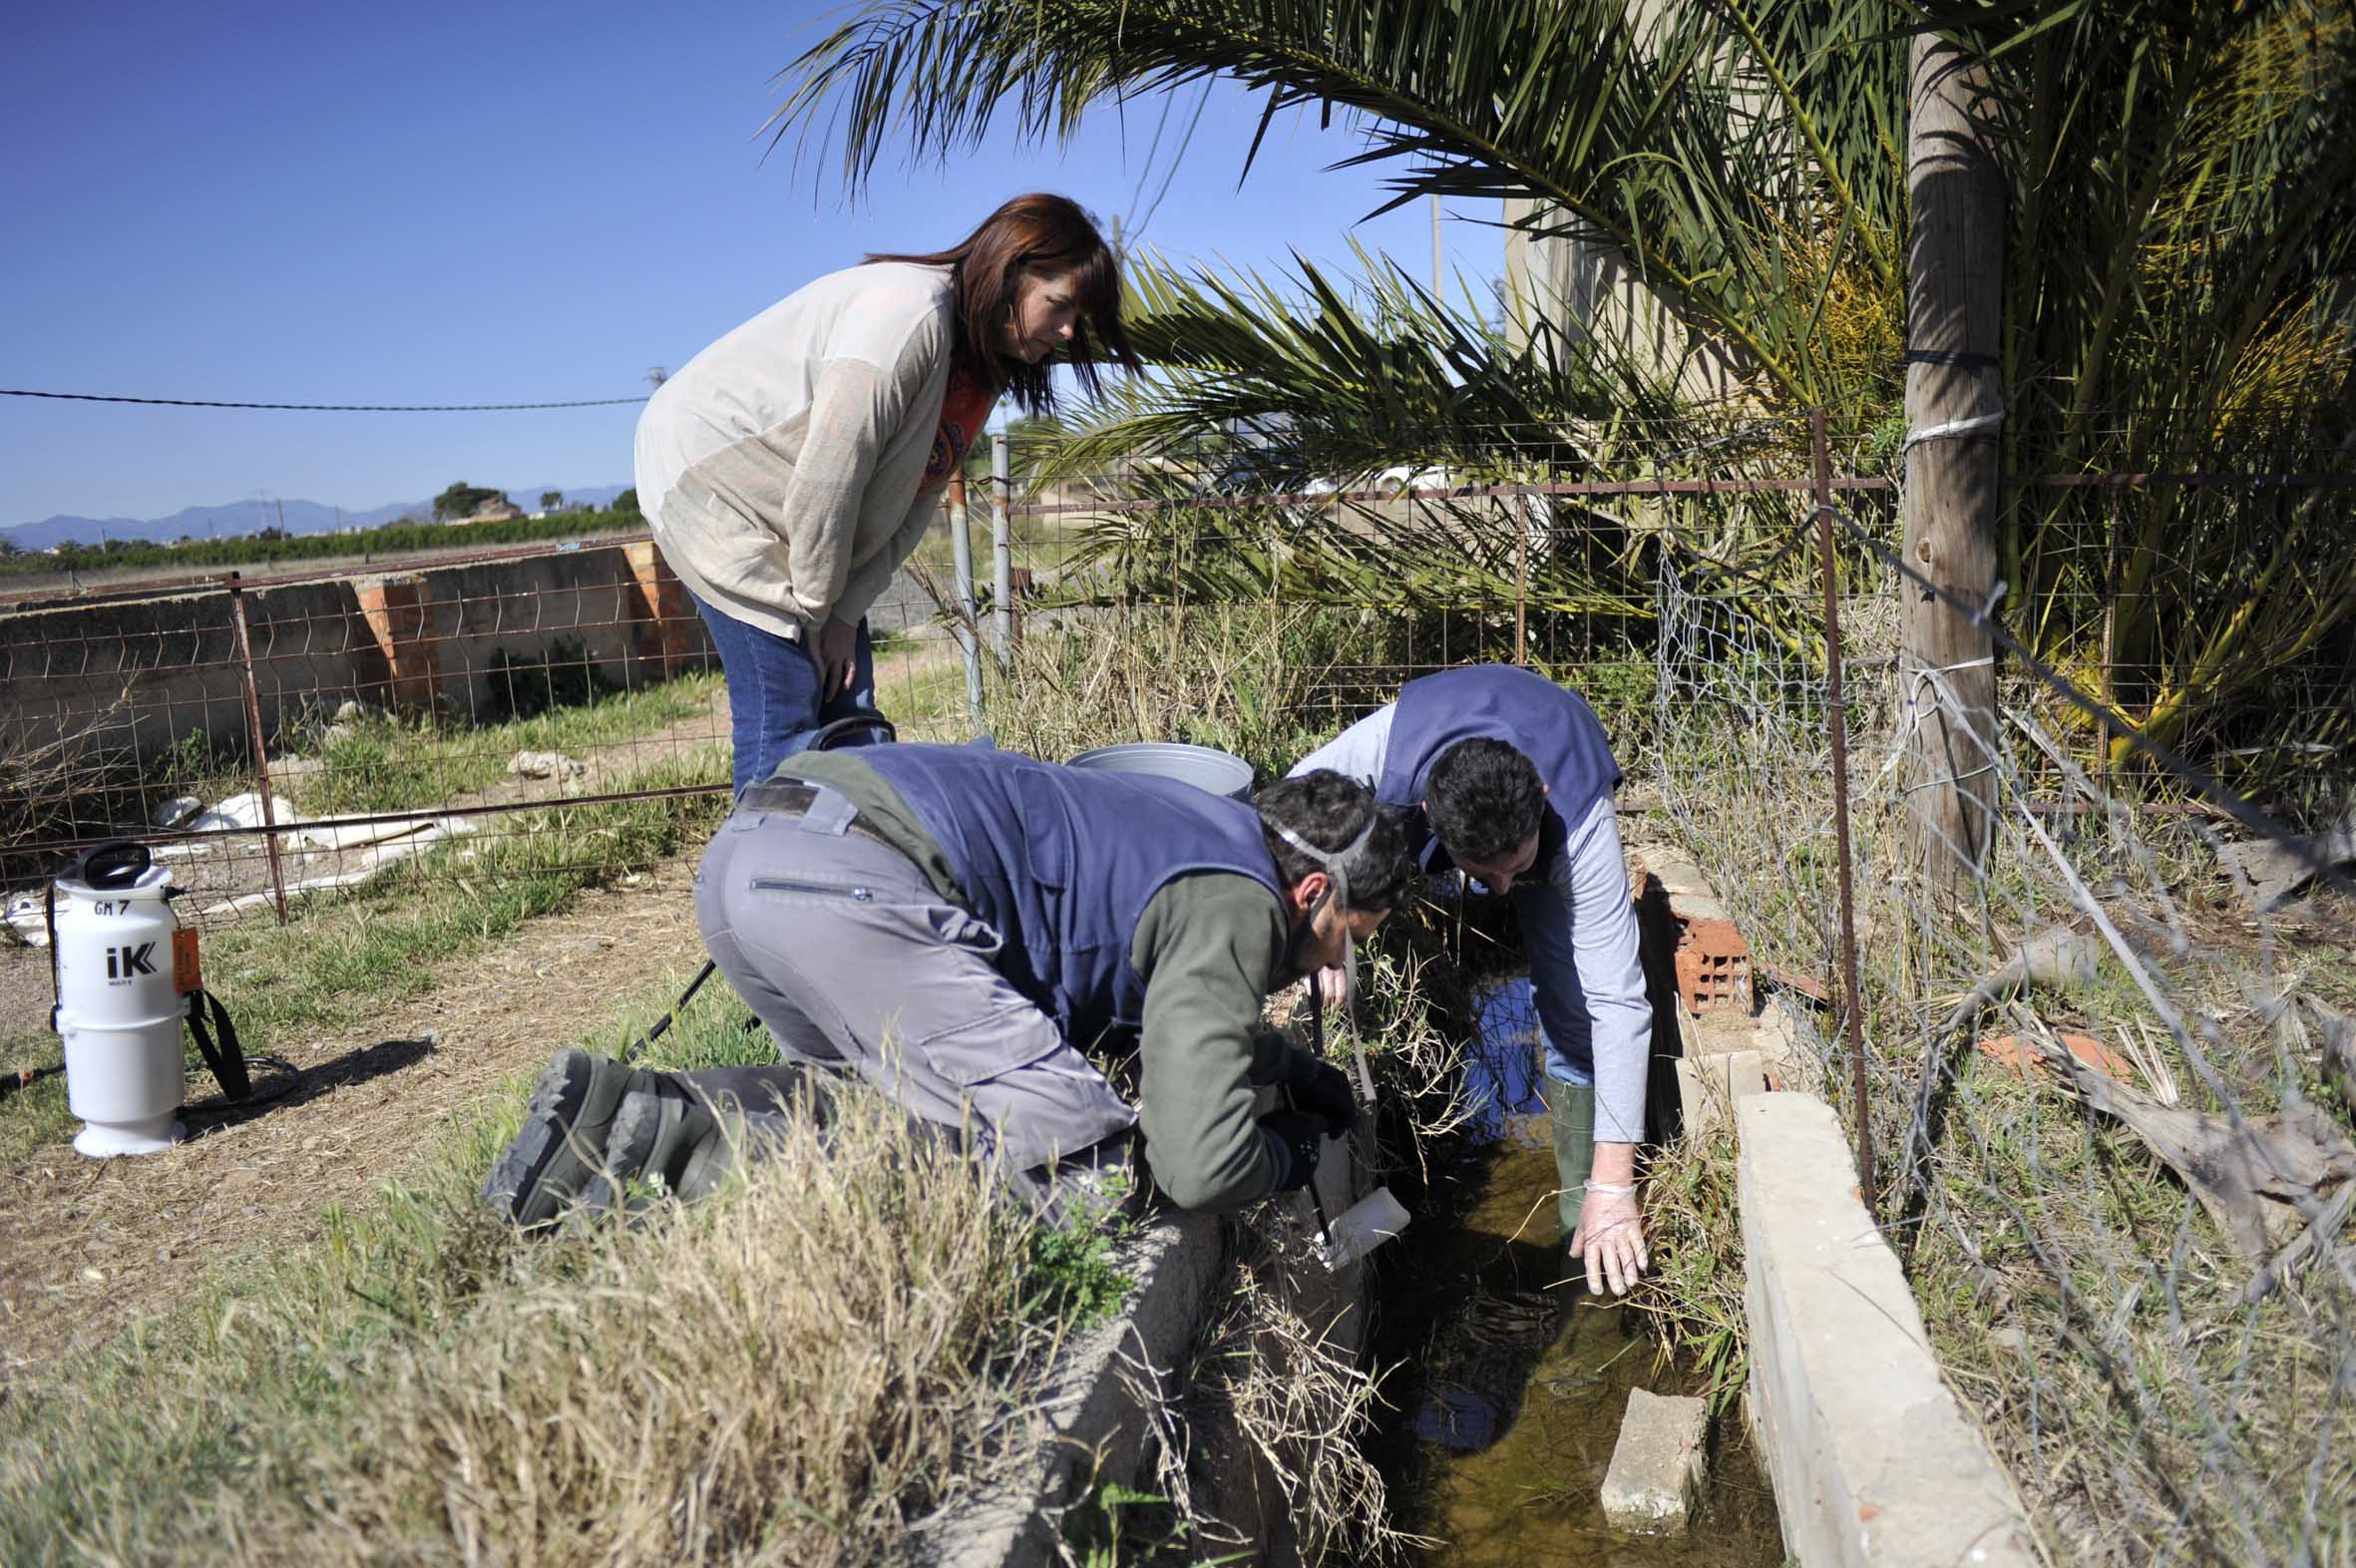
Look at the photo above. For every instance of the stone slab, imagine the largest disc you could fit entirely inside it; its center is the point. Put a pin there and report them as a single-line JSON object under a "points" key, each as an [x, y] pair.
{"points": [[1873, 1459], [1708, 1086], [1657, 1467]]}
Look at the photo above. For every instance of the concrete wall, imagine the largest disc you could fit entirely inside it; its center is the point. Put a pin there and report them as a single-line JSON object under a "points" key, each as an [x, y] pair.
{"points": [[129, 678], [1872, 1459]]}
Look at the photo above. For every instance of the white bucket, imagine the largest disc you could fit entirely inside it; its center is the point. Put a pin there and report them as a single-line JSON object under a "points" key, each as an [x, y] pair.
{"points": [[120, 1014]]}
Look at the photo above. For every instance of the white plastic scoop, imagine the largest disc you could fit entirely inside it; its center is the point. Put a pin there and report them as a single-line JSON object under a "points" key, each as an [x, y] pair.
{"points": [[1375, 1218]]}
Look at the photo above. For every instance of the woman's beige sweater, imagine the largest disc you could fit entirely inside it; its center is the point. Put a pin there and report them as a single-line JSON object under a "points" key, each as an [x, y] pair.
{"points": [[779, 469]]}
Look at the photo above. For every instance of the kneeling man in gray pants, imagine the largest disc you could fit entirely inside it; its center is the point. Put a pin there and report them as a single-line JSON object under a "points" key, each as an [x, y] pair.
{"points": [[964, 928]]}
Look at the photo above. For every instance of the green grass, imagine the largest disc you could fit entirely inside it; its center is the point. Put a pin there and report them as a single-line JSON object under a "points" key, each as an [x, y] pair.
{"points": [[1074, 1275], [386, 762]]}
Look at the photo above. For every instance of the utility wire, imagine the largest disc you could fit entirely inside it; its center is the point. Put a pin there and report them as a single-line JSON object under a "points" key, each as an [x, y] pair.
{"points": [[1137, 225], [326, 407]]}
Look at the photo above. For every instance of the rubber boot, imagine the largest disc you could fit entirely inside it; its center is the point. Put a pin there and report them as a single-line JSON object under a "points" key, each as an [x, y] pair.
{"points": [[562, 1146], [680, 1133], [1570, 1108], [668, 1139]]}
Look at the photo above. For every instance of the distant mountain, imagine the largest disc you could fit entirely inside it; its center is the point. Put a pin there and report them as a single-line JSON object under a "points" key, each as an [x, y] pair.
{"points": [[252, 517]]}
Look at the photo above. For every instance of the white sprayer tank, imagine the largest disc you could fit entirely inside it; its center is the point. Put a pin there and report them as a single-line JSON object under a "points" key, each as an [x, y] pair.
{"points": [[119, 1013]]}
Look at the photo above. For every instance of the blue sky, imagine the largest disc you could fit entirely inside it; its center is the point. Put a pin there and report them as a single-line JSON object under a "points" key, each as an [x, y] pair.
{"points": [[485, 203]]}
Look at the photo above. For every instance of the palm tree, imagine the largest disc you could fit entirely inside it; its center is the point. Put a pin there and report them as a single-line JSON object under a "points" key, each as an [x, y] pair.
{"points": [[2181, 174]]}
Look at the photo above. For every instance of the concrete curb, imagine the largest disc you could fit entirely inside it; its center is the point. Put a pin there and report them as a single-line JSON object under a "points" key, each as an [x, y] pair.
{"points": [[1093, 1426], [1092, 1423], [1872, 1459]]}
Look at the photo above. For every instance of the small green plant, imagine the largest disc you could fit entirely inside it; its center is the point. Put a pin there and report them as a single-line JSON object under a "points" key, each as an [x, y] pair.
{"points": [[1118, 1526], [1073, 1273]]}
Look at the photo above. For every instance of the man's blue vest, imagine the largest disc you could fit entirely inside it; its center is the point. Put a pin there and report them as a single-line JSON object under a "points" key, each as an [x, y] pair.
{"points": [[1062, 861], [1553, 727]]}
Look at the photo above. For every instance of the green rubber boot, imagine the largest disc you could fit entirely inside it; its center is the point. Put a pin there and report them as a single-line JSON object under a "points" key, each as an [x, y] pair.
{"points": [[1570, 1108], [563, 1144]]}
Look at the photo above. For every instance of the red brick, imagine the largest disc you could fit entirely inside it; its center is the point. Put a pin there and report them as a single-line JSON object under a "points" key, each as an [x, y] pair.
{"points": [[1713, 968], [668, 633], [400, 620]]}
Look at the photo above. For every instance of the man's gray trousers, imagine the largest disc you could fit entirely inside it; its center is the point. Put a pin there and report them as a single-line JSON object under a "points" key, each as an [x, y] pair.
{"points": [[852, 959]]}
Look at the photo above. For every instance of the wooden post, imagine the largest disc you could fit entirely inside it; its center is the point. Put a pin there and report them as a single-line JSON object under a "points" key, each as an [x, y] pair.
{"points": [[256, 738], [1954, 314]]}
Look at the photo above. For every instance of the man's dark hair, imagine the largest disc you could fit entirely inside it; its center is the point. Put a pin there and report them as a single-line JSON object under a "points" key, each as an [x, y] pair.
{"points": [[1485, 799], [1329, 811]]}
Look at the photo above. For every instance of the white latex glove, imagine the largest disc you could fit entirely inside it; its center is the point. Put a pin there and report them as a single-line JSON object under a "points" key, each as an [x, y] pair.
{"points": [[1333, 986], [1610, 1241]]}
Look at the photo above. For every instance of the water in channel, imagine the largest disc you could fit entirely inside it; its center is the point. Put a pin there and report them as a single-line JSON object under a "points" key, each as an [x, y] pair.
{"points": [[1511, 1383]]}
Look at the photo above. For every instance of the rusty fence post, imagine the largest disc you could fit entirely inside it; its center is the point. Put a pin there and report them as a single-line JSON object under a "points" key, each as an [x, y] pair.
{"points": [[1836, 720], [253, 736]]}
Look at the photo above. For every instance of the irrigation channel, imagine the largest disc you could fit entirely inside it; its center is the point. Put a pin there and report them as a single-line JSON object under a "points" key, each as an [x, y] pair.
{"points": [[1512, 1381]]}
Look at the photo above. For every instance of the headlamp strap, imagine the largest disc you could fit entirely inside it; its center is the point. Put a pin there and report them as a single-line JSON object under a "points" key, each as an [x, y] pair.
{"points": [[1334, 861]]}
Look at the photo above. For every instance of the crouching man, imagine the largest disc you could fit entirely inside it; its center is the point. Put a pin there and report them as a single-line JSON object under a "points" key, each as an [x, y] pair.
{"points": [[965, 929], [1509, 779]]}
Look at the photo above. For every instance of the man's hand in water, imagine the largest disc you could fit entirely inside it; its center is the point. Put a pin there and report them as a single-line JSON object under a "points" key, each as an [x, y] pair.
{"points": [[1610, 1241], [1610, 1237]]}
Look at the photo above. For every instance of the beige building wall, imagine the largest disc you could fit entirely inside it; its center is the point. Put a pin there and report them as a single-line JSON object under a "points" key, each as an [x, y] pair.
{"points": [[1587, 288]]}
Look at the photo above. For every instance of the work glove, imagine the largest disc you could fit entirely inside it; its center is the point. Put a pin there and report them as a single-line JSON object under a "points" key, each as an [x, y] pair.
{"points": [[1322, 1090], [1303, 1136]]}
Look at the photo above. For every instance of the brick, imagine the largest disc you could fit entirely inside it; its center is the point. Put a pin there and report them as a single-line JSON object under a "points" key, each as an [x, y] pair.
{"points": [[2029, 1057], [1713, 968], [668, 633], [399, 617]]}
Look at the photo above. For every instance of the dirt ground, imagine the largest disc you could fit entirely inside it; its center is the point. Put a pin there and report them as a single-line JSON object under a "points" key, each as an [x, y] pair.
{"points": [[86, 1246]]}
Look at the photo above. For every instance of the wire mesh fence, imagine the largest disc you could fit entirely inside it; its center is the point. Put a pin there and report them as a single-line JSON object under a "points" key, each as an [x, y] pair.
{"points": [[519, 723], [2098, 1082], [2099, 1073]]}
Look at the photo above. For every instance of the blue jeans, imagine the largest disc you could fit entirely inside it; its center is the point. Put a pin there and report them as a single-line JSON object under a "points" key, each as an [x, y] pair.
{"points": [[1579, 929], [773, 706]]}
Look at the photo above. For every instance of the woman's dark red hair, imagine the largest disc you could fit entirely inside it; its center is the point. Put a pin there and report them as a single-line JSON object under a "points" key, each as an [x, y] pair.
{"points": [[1034, 234]]}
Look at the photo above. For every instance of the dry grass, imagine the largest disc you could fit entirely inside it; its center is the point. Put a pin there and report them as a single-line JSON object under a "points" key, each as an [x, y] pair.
{"points": [[2087, 1310], [1265, 1454], [788, 1373]]}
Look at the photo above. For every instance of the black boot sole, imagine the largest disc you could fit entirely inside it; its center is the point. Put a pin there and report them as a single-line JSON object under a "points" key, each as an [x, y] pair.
{"points": [[520, 1188]]}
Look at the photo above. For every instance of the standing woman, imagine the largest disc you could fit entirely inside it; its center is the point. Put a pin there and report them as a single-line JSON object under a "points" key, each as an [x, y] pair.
{"points": [[790, 468]]}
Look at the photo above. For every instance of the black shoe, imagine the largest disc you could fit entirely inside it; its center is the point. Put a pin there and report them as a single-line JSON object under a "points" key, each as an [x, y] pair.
{"points": [[563, 1142]]}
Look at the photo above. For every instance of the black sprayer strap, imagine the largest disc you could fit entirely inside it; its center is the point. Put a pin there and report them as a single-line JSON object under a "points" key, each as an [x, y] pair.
{"points": [[226, 1058], [644, 1042], [57, 993]]}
